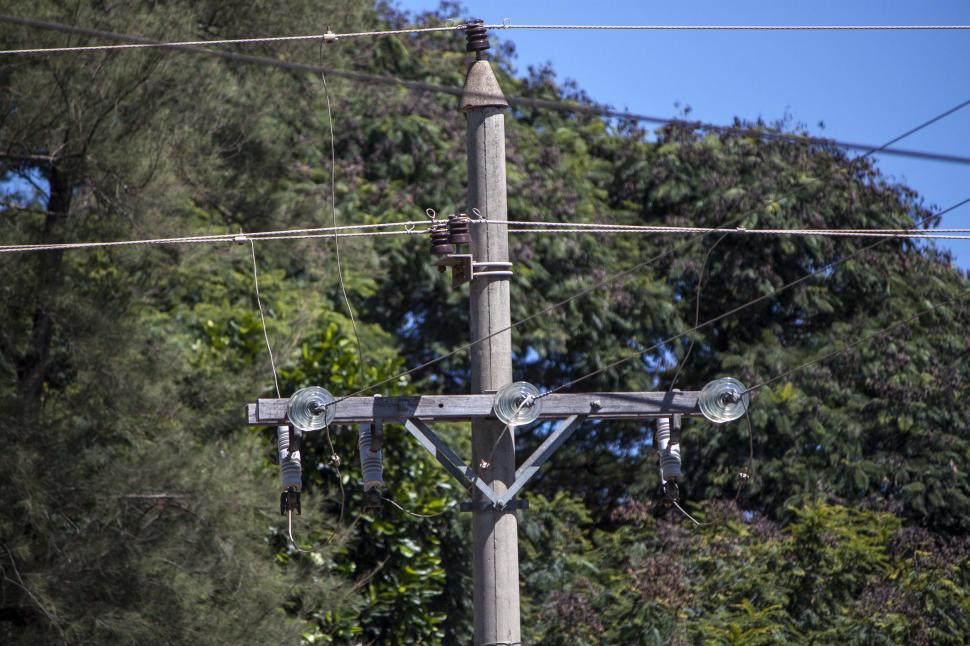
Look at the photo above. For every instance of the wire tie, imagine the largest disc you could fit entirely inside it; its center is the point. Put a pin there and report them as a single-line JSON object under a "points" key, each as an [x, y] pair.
{"points": [[477, 213], [506, 23], [431, 214], [329, 37], [740, 229], [409, 227]]}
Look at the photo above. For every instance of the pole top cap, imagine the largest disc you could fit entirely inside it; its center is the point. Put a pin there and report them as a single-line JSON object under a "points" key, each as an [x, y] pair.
{"points": [[481, 89]]}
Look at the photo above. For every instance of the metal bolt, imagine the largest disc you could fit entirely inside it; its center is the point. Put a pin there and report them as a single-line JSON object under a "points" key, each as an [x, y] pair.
{"points": [[595, 405]]}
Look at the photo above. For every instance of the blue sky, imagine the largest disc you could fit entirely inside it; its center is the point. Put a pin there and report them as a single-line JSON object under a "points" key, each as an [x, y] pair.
{"points": [[866, 87]]}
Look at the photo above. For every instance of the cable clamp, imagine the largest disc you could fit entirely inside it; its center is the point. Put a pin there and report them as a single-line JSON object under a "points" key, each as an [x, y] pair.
{"points": [[329, 37], [240, 239]]}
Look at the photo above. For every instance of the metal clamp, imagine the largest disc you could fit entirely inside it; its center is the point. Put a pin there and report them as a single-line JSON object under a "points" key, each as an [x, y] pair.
{"points": [[489, 269], [486, 505]]}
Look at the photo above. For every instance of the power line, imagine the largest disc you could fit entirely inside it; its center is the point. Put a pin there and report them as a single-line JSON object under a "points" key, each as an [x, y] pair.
{"points": [[852, 344], [738, 27], [327, 37], [521, 101], [735, 310], [407, 228]]}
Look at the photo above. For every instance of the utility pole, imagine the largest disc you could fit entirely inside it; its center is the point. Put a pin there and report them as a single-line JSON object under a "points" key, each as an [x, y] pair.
{"points": [[492, 476], [495, 546]]}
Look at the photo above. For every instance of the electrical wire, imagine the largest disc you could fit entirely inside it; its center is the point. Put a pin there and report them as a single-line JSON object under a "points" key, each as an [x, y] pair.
{"points": [[697, 311], [521, 101], [336, 238], [863, 339], [262, 320], [327, 37], [734, 310], [610, 279], [509, 25], [408, 511], [407, 228]]}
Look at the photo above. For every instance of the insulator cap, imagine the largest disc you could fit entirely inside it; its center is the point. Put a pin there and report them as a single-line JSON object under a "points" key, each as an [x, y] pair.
{"points": [[458, 230], [441, 241], [477, 36]]}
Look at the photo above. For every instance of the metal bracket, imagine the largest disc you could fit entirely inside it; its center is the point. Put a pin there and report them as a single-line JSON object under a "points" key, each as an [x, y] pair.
{"points": [[461, 265], [448, 458], [484, 505], [457, 468], [531, 466], [464, 268]]}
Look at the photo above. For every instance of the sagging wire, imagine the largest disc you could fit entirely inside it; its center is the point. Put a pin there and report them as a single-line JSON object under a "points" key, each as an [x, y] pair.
{"points": [[697, 311], [408, 511]]}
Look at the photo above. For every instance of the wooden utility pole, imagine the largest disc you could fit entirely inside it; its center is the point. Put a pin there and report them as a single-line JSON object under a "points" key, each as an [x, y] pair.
{"points": [[495, 549]]}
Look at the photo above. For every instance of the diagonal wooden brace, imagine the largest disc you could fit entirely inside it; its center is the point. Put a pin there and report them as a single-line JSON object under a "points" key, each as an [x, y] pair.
{"points": [[448, 458], [531, 466]]}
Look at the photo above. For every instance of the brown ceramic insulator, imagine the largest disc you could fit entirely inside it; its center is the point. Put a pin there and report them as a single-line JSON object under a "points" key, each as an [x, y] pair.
{"points": [[477, 36], [458, 230], [440, 243]]}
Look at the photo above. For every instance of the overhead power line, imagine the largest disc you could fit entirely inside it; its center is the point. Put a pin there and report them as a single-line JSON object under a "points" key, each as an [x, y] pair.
{"points": [[410, 228], [821, 270], [738, 27], [520, 101], [330, 36]]}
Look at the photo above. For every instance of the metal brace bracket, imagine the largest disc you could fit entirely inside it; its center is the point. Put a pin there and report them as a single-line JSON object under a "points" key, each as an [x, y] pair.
{"points": [[448, 458], [484, 505], [464, 268], [466, 476]]}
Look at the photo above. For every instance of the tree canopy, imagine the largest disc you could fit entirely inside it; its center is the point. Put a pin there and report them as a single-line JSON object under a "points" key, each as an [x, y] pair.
{"points": [[138, 507]]}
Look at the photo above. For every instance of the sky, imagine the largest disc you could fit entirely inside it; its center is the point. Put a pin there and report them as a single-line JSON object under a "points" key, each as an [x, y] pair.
{"points": [[865, 87]]}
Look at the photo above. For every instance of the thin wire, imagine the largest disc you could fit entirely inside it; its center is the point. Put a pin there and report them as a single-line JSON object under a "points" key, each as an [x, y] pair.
{"points": [[613, 278], [296, 234], [697, 311], [738, 27], [289, 532], [262, 320], [733, 311], [938, 117], [324, 38], [408, 511], [329, 37], [688, 516], [335, 464], [421, 86], [336, 242], [852, 344]]}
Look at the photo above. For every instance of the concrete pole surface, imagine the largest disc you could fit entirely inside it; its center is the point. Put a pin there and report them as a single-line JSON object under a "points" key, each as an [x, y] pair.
{"points": [[494, 532]]}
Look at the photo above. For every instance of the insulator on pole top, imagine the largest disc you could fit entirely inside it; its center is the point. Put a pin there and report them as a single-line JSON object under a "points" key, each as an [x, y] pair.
{"points": [[723, 400], [517, 403], [477, 38], [311, 409]]}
